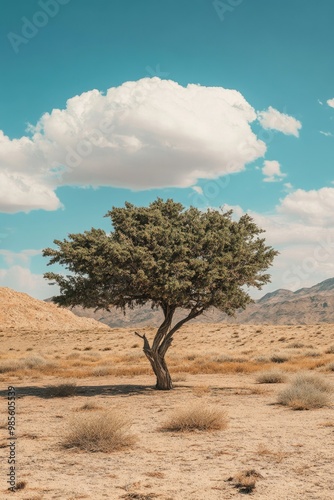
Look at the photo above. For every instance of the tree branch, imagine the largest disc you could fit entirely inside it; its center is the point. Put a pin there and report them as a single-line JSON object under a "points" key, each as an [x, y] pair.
{"points": [[164, 327], [169, 337], [147, 347]]}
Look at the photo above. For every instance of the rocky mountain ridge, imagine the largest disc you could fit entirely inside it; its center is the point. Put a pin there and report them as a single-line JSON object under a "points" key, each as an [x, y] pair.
{"points": [[305, 306]]}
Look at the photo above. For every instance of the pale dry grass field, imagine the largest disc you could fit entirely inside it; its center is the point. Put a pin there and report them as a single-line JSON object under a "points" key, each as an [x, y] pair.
{"points": [[69, 384]]}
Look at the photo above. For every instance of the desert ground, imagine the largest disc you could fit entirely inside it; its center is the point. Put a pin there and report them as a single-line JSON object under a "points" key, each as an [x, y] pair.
{"points": [[290, 452]]}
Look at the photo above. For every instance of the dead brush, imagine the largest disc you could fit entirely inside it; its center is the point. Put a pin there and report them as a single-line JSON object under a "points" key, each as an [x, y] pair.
{"points": [[271, 377], [245, 480], [181, 377], [61, 390], [196, 417], [32, 362], [279, 358], [88, 407], [10, 366], [106, 432], [305, 392], [201, 390], [20, 485], [276, 456], [101, 371]]}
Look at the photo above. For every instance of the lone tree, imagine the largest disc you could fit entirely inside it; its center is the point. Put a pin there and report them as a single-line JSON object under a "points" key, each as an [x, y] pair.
{"points": [[168, 256]]}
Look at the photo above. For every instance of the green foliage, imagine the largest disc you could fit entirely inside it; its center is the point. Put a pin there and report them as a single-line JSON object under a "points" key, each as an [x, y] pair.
{"points": [[166, 255]]}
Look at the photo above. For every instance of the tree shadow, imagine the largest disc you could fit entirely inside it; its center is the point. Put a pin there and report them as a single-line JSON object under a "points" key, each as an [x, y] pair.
{"points": [[83, 390]]}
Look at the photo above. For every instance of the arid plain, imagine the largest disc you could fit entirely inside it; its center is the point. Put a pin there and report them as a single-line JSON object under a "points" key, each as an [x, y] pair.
{"points": [[289, 453]]}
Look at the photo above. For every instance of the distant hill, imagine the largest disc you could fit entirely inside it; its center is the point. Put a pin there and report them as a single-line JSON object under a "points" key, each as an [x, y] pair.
{"points": [[282, 307], [19, 311]]}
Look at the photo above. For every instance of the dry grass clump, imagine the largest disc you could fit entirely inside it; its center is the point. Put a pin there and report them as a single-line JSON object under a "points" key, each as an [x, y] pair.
{"points": [[330, 367], [329, 423], [33, 362], [182, 377], [279, 358], [29, 363], [196, 418], [330, 350], [106, 432], [261, 359], [61, 390], [306, 392], [276, 456], [10, 366], [201, 390], [88, 406], [271, 377], [73, 355], [245, 480], [101, 371], [139, 496], [223, 358], [296, 345], [312, 354], [20, 485]]}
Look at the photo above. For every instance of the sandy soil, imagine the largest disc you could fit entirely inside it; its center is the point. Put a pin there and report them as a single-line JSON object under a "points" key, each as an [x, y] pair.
{"points": [[292, 450]]}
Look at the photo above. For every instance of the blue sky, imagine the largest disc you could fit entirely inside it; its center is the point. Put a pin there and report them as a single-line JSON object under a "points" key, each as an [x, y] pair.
{"points": [[211, 103]]}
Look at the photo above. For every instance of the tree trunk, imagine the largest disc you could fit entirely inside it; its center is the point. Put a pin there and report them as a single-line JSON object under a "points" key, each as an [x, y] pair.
{"points": [[158, 363], [162, 342]]}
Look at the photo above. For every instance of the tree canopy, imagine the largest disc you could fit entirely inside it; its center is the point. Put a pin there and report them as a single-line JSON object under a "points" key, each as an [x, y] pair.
{"points": [[165, 255]]}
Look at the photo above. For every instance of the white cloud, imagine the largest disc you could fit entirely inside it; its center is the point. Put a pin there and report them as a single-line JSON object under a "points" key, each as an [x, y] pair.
{"points": [[237, 210], [146, 134], [275, 120], [22, 279], [272, 171], [315, 207], [198, 189], [330, 103], [326, 134], [19, 192], [23, 257], [302, 229]]}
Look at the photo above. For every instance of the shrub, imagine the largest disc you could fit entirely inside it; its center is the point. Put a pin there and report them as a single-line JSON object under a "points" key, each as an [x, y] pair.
{"points": [[305, 392], [312, 354], [201, 390], [223, 358], [330, 367], [106, 432], [61, 390], [33, 362], [245, 481], [101, 371], [10, 366], [88, 406], [330, 350], [261, 359], [73, 355], [196, 418], [271, 377], [279, 358], [296, 345]]}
